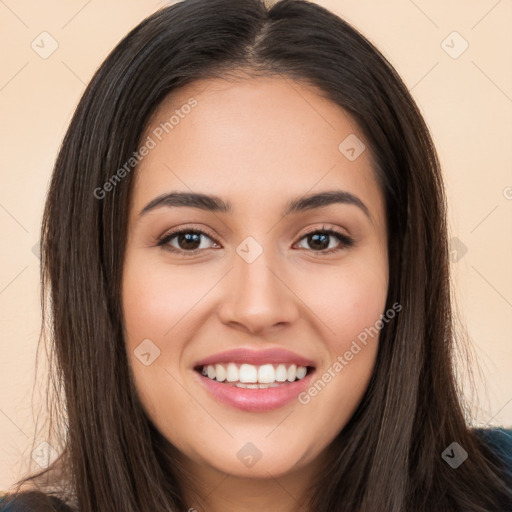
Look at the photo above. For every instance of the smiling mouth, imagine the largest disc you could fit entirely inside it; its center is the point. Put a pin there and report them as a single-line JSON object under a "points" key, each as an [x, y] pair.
{"points": [[248, 376]]}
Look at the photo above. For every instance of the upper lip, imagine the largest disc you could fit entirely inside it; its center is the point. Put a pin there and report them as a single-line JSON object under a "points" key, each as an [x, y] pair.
{"points": [[256, 357]]}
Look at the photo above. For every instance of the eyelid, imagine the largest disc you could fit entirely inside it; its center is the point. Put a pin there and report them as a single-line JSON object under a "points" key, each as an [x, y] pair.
{"points": [[169, 235], [345, 240], [329, 228]]}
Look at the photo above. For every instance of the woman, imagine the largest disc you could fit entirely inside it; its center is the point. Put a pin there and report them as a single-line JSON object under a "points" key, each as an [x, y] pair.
{"points": [[245, 247]]}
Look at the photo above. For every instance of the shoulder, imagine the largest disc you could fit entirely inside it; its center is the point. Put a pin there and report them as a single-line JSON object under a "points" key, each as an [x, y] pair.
{"points": [[3, 498], [31, 502], [499, 440]]}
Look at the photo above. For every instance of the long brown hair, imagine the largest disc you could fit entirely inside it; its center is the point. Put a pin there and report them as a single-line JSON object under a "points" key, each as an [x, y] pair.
{"points": [[388, 457]]}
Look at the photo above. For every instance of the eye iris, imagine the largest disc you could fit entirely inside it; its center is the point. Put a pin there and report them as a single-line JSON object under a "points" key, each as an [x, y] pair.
{"points": [[190, 241], [315, 238], [189, 238]]}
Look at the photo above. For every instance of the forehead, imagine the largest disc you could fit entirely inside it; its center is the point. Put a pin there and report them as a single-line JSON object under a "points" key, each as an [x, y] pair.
{"points": [[258, 137]]}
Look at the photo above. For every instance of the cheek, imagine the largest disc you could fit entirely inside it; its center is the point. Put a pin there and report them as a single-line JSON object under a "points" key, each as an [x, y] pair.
{"points": [[349, 304], [156, 301], [346, 299], [156, 298]]}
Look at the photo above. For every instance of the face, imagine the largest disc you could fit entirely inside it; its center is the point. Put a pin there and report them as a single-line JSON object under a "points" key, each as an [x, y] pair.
{"points": [[242, 330]]}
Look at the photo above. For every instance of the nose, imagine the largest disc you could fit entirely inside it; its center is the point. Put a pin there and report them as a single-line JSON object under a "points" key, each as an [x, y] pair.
{"points": [[258, 297]]}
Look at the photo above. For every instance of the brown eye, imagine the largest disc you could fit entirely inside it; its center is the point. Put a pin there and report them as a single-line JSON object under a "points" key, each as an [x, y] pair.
{"points": [[187, 241], [184, 241], [320, 241]]}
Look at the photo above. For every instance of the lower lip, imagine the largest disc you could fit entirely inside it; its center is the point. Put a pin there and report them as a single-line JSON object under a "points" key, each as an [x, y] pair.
{"points": [[256, 399]]}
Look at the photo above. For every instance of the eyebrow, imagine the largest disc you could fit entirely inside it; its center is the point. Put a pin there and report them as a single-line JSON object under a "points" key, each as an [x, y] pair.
{"points": [[214, 203]]}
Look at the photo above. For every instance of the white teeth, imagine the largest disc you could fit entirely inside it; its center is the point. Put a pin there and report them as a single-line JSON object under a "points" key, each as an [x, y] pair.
{"points": [[266, 374], [248, 373], [301, 372], [254, 377], [232, 372], [220, 373], [281, 373]]}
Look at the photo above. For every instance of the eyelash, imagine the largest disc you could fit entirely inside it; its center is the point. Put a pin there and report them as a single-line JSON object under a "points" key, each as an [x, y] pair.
{"points": [[346, 241]]}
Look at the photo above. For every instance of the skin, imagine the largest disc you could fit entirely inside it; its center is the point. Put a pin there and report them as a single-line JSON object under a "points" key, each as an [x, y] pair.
{"points": [[257, 143]]}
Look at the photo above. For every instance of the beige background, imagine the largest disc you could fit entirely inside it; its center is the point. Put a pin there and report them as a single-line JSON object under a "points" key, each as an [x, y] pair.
{"points": [[467, 103]]}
